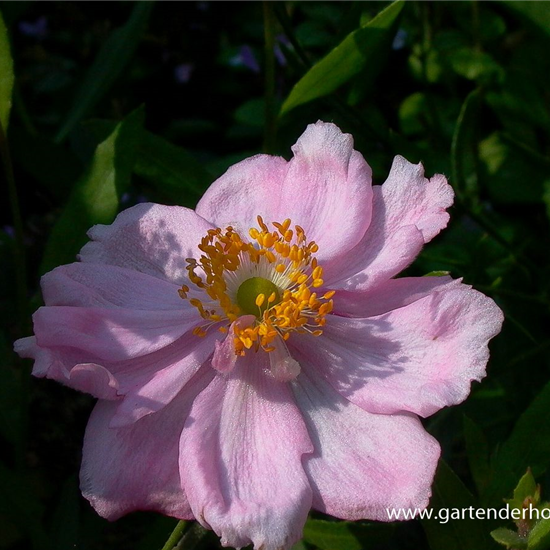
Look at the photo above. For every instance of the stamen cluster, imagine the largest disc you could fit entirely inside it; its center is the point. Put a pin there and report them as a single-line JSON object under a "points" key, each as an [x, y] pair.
{"points": [[282, 256]]}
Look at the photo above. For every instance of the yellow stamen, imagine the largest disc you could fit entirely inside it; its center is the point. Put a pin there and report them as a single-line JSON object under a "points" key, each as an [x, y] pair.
{"points": [[281, 273]]}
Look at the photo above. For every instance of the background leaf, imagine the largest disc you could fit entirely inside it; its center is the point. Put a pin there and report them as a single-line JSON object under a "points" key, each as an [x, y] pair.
{"points": [[527, 446], [109, 63], [6, 76], [345, 535], [171, 170], [539, 537], [477, 448], [95, 198], [535, 12], [448, 492], [464, 147], [354, 53]]}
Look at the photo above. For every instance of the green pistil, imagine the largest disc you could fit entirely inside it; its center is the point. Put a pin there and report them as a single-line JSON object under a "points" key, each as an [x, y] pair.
{"points": [[250, 290]]}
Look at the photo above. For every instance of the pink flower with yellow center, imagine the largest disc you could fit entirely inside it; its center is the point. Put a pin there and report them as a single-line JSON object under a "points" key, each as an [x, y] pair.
{"points": [[257, 357]]}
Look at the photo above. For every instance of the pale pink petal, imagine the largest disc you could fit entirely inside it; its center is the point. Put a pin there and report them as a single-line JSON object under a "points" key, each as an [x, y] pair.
{"points": [[364, 464], [142, 384], [136, 467], [282, 366], [93, 379], [149, 238], [408, 211], [150, 382], [389, 295], [379, 261], [241, 459], [418, 358], [224, 354], [100, 285], [327, 191], [68, 366], [249, 188], [325, 188], [112, 334]]}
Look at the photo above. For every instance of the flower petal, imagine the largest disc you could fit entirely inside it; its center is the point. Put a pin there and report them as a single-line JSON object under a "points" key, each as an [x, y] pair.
{"points": [[224, 358], [100, 285], [150, 238], [364, 464], [418, 358], [136, 467], [241, 453], [150, 382], [325, 188], [389, 295], [110, 334], [408, 211], [67, 366], [327, 191], [248, 189]]}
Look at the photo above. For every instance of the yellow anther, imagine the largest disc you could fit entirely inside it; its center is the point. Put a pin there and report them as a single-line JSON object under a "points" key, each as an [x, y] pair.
{"points": [[279, 263], [317, 272]]}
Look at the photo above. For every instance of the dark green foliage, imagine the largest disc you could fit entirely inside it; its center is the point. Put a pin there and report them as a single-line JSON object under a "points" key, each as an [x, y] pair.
{"points": [[113, 103]]}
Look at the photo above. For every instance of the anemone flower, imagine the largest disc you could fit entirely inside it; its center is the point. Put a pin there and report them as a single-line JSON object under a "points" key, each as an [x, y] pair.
{"points": [[257, 358]]}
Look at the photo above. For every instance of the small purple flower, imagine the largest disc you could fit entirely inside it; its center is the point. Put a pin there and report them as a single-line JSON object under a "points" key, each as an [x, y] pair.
{"points": [[245, 58], [37, 29], [183, 72]]}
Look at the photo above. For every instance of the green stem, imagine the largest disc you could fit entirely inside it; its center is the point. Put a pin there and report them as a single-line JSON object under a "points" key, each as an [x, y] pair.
{"points": [[476, 25], [20, 264], [270, 129], [176, 535], [284, 21], [23, 113]]}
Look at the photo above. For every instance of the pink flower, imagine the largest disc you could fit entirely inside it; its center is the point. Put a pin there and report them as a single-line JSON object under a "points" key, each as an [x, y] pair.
{"points": [[251, 368]]}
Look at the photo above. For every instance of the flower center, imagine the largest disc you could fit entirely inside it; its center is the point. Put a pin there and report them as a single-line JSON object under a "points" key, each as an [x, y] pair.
{"points": [[256, 294], [272, 276]]}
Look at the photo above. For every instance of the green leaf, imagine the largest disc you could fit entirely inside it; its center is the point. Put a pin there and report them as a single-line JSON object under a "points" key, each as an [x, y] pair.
{"points": [[442, 530], [539, 537], [526, 487], [534, 12], [345, 535], [464, 147], [95, 197], [358, 50], [527, 446], [53, 166], [437, 274], [509, 538], [474, 65], [6, 76], [171, 170], [546, 197], [66, 516], [511, 174], [109, 63], [477, 449]]}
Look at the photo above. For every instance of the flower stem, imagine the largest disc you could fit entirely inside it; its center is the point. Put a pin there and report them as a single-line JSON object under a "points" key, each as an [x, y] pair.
{"points": [[270, 128], [176, 535], [20, 265]]}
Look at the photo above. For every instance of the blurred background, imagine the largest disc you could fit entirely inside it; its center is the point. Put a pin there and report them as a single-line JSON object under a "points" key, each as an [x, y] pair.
{"points": [[197, 86]]}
